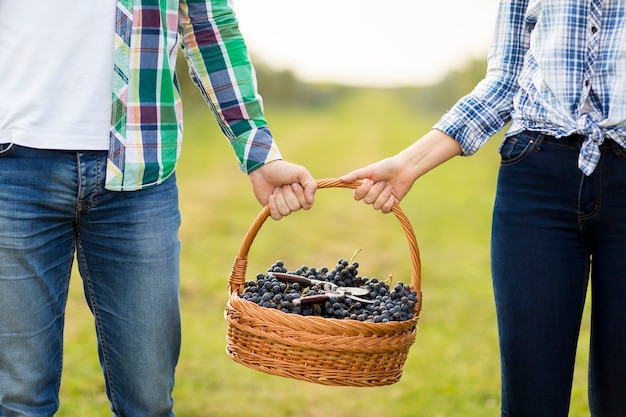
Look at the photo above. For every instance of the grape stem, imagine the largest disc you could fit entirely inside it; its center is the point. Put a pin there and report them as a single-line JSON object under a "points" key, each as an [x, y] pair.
{"points": [[354, 256]]}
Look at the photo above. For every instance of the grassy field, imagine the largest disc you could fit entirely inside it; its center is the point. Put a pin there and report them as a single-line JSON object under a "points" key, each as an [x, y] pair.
{"points": [[452, 370]]}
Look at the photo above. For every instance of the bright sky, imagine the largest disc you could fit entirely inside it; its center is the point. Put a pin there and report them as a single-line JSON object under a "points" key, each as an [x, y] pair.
{"points": [[367, 42]]}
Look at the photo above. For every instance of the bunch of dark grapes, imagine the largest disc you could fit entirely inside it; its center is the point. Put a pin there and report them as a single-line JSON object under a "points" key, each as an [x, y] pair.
{"points": [[386, 304]]}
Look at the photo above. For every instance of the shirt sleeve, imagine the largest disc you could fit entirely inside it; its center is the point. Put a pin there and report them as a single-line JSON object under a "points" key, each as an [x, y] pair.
{"points": [[484, 111], [220, 66]]}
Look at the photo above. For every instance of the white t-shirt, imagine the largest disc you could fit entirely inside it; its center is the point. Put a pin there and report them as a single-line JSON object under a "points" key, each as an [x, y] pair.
{"points": [[56, 67]]}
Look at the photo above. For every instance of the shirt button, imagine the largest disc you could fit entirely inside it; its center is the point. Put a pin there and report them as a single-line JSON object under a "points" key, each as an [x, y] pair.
{"points": [[594, 29]]}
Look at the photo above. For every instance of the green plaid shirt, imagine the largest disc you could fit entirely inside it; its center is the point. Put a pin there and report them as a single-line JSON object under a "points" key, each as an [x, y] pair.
{"points": [[146, 124]]}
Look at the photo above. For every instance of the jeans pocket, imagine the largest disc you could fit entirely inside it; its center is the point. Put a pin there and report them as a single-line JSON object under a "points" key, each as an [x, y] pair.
{"points": [[514, 149]]}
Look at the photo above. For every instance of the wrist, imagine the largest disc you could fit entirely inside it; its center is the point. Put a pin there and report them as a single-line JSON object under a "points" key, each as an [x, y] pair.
{"points": [[433, 149]]}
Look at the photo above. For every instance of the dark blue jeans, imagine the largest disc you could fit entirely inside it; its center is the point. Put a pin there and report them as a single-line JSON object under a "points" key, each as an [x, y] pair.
{"points": [[554, 232], [53, 206]]}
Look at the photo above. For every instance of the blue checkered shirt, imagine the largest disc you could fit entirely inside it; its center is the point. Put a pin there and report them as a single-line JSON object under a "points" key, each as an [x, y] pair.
{"points": [[554, 66]]}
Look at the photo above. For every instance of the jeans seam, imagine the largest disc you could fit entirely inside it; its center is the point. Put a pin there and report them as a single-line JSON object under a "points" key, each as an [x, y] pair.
{"points": [[67, 288], [518, 158], [94, 306]]}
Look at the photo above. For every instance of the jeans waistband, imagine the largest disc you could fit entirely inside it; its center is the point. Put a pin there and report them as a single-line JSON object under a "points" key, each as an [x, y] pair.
{"points": [[576, 140]]}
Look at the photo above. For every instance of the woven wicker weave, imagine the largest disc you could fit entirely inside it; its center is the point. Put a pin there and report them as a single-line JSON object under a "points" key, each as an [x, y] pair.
{"points": [[315, 349]]}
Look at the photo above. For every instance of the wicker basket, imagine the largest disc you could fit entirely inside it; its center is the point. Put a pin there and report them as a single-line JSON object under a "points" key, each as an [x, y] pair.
{"points": [[321, 350]]}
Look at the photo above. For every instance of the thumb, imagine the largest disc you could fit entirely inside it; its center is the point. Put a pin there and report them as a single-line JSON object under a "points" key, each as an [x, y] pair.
{"points": [[357, 174], [310, 186]]}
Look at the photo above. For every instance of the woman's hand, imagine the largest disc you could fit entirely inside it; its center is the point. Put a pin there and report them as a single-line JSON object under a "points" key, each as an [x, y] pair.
{"points": [[387, 181]]}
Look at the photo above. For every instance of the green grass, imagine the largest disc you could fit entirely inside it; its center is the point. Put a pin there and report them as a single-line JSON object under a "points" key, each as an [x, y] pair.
{"points": [[452, 369]]}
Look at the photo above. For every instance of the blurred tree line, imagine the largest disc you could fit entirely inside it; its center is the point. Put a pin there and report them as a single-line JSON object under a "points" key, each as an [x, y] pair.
{"points": [[282, 88], [439, 97]]}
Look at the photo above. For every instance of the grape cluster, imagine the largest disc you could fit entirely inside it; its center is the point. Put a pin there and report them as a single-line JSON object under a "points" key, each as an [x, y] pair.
{"points": [[387, 304]]}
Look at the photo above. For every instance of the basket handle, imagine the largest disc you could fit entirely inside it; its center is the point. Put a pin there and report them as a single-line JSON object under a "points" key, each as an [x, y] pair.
{"points": [[238, 273]]}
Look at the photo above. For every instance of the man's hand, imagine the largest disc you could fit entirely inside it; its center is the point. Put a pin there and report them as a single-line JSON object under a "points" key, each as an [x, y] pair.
{"points": [[284, 186]]}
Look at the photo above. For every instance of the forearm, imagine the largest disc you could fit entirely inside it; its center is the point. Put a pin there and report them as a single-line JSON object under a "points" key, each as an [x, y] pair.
{"points": [[480, 114], [219, 59], [433, 149], [221, 68]]}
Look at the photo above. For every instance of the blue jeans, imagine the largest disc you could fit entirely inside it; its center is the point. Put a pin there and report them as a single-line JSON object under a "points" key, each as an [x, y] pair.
{"points": [[554, 232], [53, 206]]}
